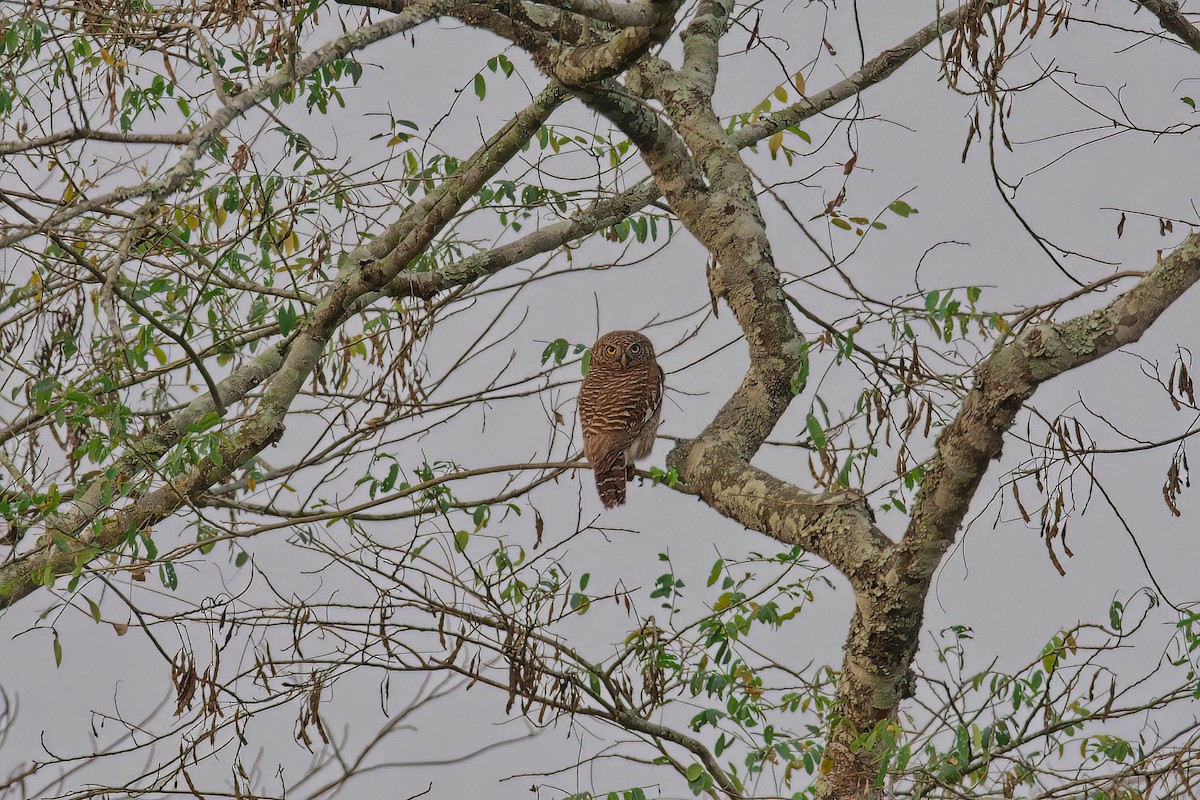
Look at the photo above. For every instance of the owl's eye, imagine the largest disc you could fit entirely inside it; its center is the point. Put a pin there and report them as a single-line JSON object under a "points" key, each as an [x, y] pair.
{"points": [[611, 350], [635, 348]]}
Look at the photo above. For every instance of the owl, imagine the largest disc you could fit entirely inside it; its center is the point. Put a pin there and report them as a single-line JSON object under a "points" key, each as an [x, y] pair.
{"points": [[619, 406]]}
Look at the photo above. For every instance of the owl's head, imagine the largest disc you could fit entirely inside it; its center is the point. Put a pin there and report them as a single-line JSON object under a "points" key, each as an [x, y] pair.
{"points": [[621, 350]]}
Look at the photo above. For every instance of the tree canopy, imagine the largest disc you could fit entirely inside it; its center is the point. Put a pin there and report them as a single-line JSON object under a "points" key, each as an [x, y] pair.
{"points": [[296, 299]]}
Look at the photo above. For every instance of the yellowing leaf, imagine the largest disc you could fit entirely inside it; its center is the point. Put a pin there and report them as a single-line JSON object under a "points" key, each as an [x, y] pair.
{"points": [[774, 143], [781, 94], [798, 82]]}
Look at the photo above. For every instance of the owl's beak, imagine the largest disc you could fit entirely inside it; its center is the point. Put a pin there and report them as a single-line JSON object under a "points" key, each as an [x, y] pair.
{"points": [[624, 359]]}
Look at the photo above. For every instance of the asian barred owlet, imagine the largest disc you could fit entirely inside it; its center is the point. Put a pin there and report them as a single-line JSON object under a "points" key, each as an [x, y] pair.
{"points": [[619, 406]]}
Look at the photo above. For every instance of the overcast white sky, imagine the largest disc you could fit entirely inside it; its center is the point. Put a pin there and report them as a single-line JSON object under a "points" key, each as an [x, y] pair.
{"points": [[998, 580]]}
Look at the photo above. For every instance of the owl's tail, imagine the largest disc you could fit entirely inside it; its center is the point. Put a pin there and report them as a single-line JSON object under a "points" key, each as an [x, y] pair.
{"points": [[610, 483]]}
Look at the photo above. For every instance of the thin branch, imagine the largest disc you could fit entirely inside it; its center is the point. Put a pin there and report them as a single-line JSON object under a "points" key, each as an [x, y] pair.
{"points": [[12, 147], [1171, 17]]}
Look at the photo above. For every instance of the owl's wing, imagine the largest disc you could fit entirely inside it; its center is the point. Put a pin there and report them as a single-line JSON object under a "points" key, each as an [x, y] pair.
{"points": [[604, 449], [654, 413], [644, 407]]}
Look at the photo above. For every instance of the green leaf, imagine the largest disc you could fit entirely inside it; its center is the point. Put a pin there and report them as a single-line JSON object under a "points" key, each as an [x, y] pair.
{"points": [[670, 476], [57, 651], [843, 476], [816, 432], [694, 771], [168, 576], [480, 516], [557, 350], [717, 566], [42, 392], [580, 602], [460, 540], [931, 302], [287, 319], [902, 208], [93, 608], [480, 86], [390, 480], [800, 379], [241, 559], [1190, 102], [207, 544], [962, 744]]}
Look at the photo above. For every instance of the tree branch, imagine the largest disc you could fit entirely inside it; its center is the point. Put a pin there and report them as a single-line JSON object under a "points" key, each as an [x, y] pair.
{"points": [[887, 622], [1171, 17], [202, 138], [626, 15], [878, 69], [14, 146], [609, 212], [69, 543]]}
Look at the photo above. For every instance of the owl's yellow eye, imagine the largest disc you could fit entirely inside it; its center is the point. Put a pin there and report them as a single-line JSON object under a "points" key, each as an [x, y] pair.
{"points": [[611, 350]]}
